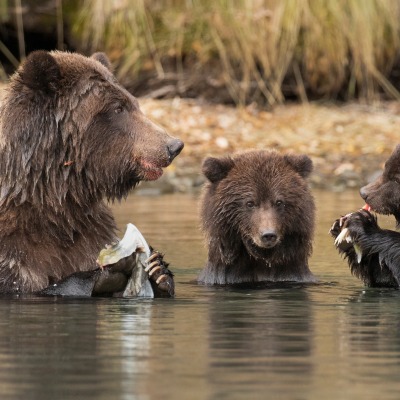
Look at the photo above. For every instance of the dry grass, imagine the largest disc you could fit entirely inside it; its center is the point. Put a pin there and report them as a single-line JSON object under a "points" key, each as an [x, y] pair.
{"points": [[254, 49], [325, 47]]}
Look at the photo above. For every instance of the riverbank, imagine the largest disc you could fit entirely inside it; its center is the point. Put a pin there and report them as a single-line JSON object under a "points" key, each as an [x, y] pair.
{"points": [[348, 143]]}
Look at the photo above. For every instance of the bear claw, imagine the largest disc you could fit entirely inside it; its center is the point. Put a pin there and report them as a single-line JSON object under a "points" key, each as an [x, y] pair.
{"points": [[150, 266], [153, 256], [161, 278], [157, 268]]}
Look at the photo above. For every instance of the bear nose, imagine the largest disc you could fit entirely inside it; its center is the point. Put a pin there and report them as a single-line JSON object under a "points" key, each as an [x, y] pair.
{"points": [[269, 237], [363, 193], [174, 147]]}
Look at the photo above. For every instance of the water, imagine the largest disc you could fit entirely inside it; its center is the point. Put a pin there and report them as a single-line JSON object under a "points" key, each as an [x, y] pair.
{"points": [[334, 340]]}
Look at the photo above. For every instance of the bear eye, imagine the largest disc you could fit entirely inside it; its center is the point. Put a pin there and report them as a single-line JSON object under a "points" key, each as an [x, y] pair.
{"points": [[250, 204], [280, 203], [118, 110]]}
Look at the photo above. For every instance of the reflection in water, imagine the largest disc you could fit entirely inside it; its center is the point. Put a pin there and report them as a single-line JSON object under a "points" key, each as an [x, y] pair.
{"points": [[333, 340], [373, 333], [262, 338], [59, 349]]}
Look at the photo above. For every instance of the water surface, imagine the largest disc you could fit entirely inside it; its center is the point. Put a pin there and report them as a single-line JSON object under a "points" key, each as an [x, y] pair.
{"points": [[334, 340]]}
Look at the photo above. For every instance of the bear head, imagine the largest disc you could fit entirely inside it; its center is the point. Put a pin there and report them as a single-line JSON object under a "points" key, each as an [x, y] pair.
{"points": [[70, 130], [259, 199], [383, 194]]}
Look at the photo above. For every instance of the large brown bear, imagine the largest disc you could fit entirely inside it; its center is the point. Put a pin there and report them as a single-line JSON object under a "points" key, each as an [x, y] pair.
{"points": [[70, 137], [258, 218], [373, 253]]}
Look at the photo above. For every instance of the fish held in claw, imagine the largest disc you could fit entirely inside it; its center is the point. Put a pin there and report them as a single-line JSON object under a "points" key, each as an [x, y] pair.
{"points": [[132, 242]]}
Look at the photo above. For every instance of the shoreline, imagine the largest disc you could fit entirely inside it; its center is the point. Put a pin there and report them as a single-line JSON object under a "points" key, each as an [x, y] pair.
{"points": [[348, 143]]}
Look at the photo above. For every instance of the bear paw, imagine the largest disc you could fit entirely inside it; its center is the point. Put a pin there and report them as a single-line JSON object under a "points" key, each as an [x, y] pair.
{"points": [[336, 228], [361, 223], [353, 226], [161, 278]]}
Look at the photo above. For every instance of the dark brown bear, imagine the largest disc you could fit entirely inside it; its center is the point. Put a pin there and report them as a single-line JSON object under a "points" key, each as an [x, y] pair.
{"points": [[258, 218], [377, 263], [70, 137]]}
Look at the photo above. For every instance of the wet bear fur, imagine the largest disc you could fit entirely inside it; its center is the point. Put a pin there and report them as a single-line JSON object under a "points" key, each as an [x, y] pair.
{"points": [[380, 262], [70, 138], [257, 215]]}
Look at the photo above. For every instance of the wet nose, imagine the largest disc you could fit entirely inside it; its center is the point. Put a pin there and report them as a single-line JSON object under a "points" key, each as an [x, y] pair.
{"points": [[269, 237], [174, 148], [363, 193]]}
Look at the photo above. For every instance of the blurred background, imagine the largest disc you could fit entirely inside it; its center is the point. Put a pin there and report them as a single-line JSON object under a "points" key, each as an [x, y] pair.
{"points": [[334, 64], [239, 51]]}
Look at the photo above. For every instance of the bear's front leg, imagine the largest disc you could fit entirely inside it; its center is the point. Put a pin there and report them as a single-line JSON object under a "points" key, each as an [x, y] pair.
{"points": [[352, 229], [361, 224], [348, 231], [346, 248], [160, 277], [370, 250]]}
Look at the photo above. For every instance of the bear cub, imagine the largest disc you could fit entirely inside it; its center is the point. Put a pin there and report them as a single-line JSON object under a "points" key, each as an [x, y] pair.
{"points": [[257, 215], [373, 253]]}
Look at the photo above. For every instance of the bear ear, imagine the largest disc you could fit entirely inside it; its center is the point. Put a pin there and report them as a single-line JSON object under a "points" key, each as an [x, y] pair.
{"points": [[40, 72], [102, 59], [216, 169], [301, 163]]}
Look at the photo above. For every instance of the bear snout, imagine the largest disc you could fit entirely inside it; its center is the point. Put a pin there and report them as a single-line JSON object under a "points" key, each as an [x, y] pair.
{"points": [[268, 238], [364, 193], [174, 147], [372, 193]]}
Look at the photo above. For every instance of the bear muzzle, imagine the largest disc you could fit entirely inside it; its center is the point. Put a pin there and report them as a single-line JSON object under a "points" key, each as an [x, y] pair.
{"points": [[373, 193], [268, 238], [364, 192], [152, 169]]}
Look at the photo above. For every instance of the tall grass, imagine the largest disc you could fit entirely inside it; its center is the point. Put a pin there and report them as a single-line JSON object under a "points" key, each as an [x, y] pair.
{"points": [[254, 48]]}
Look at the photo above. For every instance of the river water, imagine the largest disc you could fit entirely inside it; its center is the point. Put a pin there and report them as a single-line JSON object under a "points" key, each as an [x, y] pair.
{"points": [[333, 340]]}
